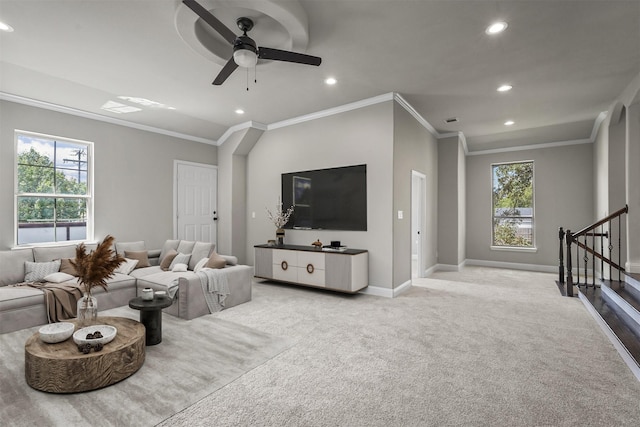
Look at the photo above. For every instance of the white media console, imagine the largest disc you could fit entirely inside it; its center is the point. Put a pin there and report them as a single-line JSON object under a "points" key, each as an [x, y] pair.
{"points": [[345, 271]]}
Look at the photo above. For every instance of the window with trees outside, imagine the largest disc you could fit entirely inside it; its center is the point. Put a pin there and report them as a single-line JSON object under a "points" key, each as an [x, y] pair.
{"points": [[53, 193], [513, 219]]}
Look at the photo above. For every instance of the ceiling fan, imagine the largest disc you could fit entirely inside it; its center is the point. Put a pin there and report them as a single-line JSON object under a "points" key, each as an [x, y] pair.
{"points": [[245, 51]]}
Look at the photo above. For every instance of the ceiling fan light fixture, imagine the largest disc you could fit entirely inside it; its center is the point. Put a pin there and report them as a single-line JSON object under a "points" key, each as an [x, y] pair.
{"points": [[245, 58]]}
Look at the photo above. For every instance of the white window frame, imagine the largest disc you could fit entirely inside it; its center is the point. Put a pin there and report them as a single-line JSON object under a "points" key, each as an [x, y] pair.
{"points": [[89, 196], [533, 247]]}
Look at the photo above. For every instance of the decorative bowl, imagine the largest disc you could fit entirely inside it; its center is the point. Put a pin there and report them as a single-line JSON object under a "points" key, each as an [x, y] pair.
{"points": [[56, 332], [108, 334]]}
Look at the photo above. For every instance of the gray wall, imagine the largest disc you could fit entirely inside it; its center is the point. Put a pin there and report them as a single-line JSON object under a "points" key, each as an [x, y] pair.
{"points": [[564, 196], [362, 136], [133, 172], [462, 203], [448, 201], [414, 148]]}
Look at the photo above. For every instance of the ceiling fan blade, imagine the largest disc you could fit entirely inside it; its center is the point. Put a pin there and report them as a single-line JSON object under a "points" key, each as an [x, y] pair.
{"points": [[211, 20], [285, 55], [226, 72]]}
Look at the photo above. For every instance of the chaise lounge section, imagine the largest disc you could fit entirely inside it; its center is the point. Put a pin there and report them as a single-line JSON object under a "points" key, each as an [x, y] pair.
{"points": [[23, 307]]}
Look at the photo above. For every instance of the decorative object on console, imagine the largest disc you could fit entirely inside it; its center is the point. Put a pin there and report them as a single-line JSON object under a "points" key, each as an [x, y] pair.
{"points": [[280, 219], [317, 244], [93, 270]]}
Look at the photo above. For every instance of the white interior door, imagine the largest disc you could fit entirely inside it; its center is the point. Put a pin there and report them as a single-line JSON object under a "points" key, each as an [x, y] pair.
{"points": [[196, 209], [418, 222]]}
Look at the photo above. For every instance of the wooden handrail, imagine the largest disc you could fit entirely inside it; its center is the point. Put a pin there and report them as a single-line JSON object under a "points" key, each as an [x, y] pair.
{"points": [[602, 221], [570, 238]]}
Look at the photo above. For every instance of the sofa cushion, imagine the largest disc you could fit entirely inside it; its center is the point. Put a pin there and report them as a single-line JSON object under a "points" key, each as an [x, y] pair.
{"points": [[12, 265], [37, 271], [180, 267], [200, 265], [141, 256], [127, 266], [200, 250], [180, 259], [168, 259], [12, 298], [185, 246], [122, 247], [167, 246], [230, 259], [67, 267], [46, 254], [58, 277], [163, 279], [215, 261], [142, 272]]}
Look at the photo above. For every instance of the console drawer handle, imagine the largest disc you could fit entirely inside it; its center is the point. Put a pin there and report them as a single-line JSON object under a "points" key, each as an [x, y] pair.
{"points": [[284, 265], [310, 268]]}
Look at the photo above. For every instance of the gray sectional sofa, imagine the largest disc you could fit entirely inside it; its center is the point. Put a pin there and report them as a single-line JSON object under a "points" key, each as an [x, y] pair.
{"points": [[23, 307]]}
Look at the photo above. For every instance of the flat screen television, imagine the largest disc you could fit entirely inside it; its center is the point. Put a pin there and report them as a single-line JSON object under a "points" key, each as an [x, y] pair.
{"points": [[329, 199]]}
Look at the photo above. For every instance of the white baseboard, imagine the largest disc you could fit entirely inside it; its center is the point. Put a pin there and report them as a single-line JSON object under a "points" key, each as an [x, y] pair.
{"points": [[386, 292], [513, 265], [447, 267], [632, 267]]}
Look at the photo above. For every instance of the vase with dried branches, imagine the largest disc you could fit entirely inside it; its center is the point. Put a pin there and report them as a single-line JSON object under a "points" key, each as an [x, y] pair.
{"points": [[280, 219], [93, 269]]}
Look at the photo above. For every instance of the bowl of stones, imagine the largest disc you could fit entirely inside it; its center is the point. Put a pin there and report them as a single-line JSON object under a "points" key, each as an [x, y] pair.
{"points": [[95, 334], [56, 332]]}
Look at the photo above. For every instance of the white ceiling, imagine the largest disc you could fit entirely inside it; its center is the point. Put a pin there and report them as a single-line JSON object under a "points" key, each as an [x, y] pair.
{"points": [[567, 60]]}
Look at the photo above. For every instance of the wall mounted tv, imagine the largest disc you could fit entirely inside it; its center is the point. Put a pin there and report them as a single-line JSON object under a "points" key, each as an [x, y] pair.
{"points": [[329, 199]]}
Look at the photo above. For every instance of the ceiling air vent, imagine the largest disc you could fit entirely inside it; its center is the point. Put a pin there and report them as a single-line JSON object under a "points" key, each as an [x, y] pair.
{"points": [[451, 120]]}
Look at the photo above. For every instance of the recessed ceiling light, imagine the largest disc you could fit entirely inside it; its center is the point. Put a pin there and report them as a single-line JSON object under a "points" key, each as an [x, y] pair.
{"points": [[496, 27], [331, 81], [6, 27], [239, 111], [505, 88], [509, 123]]}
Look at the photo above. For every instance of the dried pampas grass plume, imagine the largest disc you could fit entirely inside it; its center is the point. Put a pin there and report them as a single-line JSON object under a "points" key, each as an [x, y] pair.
{"points": [[96, 267]]}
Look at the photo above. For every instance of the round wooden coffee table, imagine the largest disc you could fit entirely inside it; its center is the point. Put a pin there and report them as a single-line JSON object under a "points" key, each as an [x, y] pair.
{"points": [[61, 368]]}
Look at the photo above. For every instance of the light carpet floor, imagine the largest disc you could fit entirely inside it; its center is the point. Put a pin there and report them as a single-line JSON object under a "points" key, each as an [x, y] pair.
{"points": [[194, 359], [483, 347]]}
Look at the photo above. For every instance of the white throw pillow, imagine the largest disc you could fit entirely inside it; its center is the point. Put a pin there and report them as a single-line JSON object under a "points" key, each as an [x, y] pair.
{"points": [[200, 264], [180, 259], [58, 277], [36, 271], [127, 266], [179, 267]]}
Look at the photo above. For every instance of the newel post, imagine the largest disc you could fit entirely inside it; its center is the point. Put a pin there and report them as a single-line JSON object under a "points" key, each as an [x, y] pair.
{"points": [[561, 257], [569, 274]]}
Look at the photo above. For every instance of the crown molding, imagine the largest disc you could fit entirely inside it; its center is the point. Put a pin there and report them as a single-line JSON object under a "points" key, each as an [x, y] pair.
{"points": [[99, 117], [594, 133], [239, 127], [332, 111]]}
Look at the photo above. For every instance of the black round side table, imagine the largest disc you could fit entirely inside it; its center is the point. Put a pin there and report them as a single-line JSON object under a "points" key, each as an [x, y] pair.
{"points": [[151, 316]]}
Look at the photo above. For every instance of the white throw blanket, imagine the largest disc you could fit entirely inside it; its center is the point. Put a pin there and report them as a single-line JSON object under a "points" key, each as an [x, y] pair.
{"points": [[215, 287]]}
